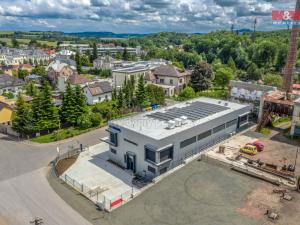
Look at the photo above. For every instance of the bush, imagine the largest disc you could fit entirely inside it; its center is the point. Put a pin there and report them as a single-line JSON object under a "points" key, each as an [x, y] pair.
{"points": [[84, 122], [186, 94], [95, 119]]}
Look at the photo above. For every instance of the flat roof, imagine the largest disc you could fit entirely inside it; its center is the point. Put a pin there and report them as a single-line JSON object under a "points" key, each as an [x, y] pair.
{"points": [[198, 111]]}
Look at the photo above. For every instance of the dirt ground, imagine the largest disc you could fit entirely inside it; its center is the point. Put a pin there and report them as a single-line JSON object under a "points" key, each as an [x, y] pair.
{"points": [[65, 164], [262, 198], [279, 150], [3, 221]]}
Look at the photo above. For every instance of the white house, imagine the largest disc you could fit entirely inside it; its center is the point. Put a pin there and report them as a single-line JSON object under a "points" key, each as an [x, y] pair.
{"points": [[97, 92]]}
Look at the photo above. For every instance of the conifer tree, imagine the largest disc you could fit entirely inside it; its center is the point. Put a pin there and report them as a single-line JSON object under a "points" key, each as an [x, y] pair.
{"points": [[68, 108], [80, 102], [22, 121], [50, 118], [141, 92], [120, 102]]}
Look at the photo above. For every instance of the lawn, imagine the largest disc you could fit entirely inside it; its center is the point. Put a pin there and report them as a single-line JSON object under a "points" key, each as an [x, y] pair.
{"points": [[214, 93], [61, 135]]}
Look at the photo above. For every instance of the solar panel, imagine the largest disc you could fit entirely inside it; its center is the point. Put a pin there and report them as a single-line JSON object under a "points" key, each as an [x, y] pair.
{"points": [[194, 111]]}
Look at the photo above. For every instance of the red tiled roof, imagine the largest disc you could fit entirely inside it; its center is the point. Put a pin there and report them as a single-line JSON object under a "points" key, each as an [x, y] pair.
{"points": [[296, 86], [77, 79], [99, 88], [169, 71]]}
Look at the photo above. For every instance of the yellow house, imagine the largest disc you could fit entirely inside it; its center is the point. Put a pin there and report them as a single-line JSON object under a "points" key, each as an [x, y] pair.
{"points": [[6, 113]]}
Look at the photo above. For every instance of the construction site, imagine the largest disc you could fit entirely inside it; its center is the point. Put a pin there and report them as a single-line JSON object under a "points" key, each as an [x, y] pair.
{"points": [[272, 158]]}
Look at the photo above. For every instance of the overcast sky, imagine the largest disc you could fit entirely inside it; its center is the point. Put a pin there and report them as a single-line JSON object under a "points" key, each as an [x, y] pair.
{"points": [[137, 16]]}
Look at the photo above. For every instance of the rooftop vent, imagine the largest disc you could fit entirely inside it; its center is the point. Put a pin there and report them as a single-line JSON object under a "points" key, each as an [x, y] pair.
{"points": [[171, 124], [183, 119], [226, 104], [220, 102], [178, 122]]}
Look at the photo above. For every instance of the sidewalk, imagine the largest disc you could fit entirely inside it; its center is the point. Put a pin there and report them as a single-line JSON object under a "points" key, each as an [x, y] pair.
{"points": [[99, 179]]}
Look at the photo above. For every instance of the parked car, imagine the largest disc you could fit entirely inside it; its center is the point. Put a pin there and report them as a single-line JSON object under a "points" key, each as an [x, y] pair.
{"points": [[259, 145], [249, 149]]}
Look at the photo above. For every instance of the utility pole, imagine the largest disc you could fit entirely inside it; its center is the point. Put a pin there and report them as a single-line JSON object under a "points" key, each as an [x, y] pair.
{"points": [[232, 28], [254, 25], [254, 29]]}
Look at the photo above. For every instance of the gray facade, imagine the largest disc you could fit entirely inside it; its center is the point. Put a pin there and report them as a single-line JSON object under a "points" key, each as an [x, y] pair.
{"points": [[148, 147]]}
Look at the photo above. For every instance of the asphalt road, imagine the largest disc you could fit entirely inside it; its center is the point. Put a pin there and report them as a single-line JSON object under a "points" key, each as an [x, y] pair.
{"points": [[24, 190]]}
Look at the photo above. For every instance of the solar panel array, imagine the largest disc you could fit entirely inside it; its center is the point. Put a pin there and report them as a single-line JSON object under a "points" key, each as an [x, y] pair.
{"points": [[194, 111]]}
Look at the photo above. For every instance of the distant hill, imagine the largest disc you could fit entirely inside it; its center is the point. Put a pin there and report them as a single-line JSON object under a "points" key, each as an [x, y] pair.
{"points": [[245, 30], [105, 35]]}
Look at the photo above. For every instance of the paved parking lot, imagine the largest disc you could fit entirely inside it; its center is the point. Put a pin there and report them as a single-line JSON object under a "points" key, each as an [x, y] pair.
{"points": [[198, 194]]}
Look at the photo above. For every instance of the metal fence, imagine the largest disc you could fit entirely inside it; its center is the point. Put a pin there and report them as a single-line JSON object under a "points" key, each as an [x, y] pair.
{"points": [[97, 197]]}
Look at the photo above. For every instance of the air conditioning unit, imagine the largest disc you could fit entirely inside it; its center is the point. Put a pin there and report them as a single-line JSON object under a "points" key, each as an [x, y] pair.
{"points": [[183, 120], [171, 124], [178, 122]]}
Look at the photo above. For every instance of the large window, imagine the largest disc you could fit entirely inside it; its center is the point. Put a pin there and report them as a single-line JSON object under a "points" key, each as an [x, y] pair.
{"points": [[166, 154], [113, 151], [219, 128], [204, 135], [231, 123], [151, 169], [243, 119], [113, 138], [150, 155], [188, 142]]}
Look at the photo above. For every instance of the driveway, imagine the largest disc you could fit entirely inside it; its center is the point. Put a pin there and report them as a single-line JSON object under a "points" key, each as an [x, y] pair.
{"points": [[24, 189]]}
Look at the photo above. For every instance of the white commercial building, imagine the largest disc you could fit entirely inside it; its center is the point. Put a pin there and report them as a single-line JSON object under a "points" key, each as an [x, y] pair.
{"points": [[151, 143]]}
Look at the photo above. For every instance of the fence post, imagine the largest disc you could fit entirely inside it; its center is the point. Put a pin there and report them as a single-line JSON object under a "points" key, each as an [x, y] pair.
{"points": [[66, 178]]}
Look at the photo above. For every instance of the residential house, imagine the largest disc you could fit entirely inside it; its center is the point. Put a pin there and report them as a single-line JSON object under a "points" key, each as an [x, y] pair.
{"points": [[171, 79], [10, 69], [6, 113], [135, 70], [36, 79], [27, 67], [56, 69], [97, 92], [73, 80], [9, 83]]}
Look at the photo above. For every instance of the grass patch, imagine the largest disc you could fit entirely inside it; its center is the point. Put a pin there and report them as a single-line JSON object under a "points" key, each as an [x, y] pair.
{"points": [[265, 131], [8, 41], [280, 121], [214, 93], [61, 135]]}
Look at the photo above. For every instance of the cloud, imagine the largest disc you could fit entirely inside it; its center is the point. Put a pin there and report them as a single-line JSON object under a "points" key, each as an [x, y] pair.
{"points": [[133, 15]]}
